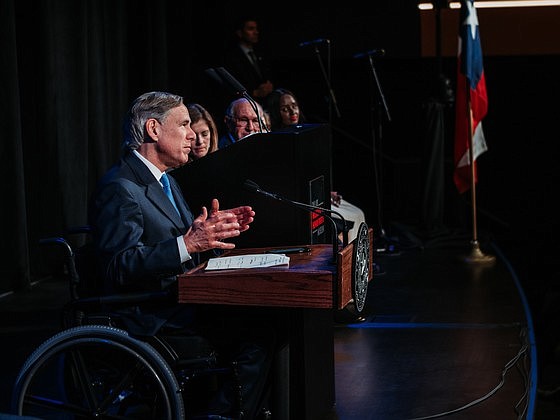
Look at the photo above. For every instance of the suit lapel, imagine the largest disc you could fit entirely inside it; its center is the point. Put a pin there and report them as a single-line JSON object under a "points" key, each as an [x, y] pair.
{"points": [[154, 193], [184, 209]]}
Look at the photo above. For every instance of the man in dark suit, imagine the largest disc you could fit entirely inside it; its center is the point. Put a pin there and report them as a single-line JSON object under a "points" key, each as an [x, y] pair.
{"points": [[145, 238], [243, 60]]}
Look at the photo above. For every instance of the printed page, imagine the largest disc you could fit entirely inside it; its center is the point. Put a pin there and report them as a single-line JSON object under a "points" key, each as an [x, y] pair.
{"points": [[247, 261]]}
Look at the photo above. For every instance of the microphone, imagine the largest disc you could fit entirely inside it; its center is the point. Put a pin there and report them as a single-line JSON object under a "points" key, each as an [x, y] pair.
{"points": [[313, 42], [376, 52], [210, 72], [254, 187], [231, 81], [225, 79]]}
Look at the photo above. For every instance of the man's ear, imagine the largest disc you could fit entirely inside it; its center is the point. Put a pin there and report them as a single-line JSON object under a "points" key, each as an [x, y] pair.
{"points": [[152, 128]]}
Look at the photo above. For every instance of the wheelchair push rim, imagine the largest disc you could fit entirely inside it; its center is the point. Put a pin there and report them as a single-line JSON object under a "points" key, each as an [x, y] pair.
{"points": [[100, 372]]}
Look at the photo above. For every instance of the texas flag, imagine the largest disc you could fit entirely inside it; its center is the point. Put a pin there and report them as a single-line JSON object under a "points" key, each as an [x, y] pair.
{"points": [[471, 100]]}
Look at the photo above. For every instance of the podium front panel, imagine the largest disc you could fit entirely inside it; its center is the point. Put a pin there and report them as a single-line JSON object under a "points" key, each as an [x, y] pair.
{"points": [[294, 164]]}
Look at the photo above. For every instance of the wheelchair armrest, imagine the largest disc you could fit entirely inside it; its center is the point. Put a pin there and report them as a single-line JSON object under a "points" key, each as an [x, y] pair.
{"points": [[127, 298], [101, 309], [121, 298], [76, 230]]}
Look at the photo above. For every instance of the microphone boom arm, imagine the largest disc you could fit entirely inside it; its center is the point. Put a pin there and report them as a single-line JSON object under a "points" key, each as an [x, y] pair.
{"points": [[319, 211], [252, 186], [224, 77]]}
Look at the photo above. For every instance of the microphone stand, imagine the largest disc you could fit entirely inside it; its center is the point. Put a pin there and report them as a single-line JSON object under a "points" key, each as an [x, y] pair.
{"points": [[377, 138], [334, 234], [225, 78], [316, 210], [252, 186], [332, 103], [262, 126], [327, 77]]}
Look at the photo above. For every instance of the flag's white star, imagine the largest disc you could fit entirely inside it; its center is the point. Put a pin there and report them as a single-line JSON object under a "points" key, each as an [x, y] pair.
{"points": [[472, 19]]}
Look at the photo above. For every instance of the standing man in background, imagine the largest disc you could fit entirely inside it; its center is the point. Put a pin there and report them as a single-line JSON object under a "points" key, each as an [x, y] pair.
{"points": [[245, 63]]}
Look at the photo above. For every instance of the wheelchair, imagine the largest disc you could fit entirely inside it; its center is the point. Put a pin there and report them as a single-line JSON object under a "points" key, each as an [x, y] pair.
{"points": [[94, 368]]}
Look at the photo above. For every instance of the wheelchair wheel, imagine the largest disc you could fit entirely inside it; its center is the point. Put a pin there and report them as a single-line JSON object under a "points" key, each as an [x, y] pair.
{"points": [[97, 371]]}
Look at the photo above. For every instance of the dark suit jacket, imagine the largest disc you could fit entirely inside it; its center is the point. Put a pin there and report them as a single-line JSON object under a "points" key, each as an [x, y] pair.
{"points": [[238, 64], [135, 228], [225, 140]]}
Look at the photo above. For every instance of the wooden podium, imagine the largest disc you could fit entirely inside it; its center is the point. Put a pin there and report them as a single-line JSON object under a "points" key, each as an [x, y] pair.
{"points": [[305, 294]]}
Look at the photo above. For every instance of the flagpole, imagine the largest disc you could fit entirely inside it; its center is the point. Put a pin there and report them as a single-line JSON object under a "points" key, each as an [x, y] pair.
{"points": [[476, 255]]}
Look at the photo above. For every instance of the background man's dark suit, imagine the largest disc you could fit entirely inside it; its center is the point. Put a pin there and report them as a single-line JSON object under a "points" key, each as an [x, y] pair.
{"points": [[238, 64]]}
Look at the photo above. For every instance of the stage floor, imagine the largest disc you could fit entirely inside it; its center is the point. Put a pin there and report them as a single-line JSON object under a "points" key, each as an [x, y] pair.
{"points": [[439, 335], [442, 337]]}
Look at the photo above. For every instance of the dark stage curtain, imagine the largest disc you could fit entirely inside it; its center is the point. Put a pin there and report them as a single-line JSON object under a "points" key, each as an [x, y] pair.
{"points": [[69, 70], [71, 67], [14, 248], [433, 167]]}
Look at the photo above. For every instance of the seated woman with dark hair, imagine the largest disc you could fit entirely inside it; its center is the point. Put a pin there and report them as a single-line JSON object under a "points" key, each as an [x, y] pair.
{"points": [[284, 111], [205, 129]]}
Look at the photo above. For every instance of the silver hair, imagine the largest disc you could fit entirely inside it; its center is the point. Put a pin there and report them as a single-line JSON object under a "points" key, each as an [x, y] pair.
{"points": [[149, 105], [233, 107]]}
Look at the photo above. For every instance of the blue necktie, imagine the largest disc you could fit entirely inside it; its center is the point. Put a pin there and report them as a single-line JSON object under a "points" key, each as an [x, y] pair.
{"points": [[167, 189]]}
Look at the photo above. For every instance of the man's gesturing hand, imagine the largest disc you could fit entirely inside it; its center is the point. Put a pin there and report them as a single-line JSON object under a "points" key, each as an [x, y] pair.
{"points": [[244, 214], [209, 231]]}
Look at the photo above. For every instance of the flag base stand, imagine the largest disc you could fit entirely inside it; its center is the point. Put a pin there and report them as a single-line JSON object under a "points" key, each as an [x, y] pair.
{"points": [[477, 256]]}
